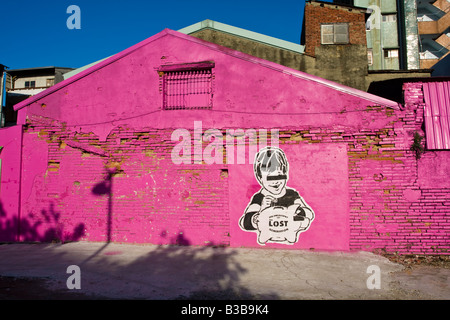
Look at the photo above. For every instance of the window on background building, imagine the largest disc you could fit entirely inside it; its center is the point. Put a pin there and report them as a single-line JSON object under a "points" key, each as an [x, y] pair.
{"points": [[30, 84], [389, 17], [187, 86], [335, 33], [50, 82], [370, 57], [391, 53]]}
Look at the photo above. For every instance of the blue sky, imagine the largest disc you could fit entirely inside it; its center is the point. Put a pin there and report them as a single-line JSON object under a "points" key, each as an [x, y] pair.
{"points": [[35, 34]]}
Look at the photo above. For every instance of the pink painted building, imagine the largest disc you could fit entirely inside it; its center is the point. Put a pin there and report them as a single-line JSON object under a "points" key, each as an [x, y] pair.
{"points": [[158, 144]]}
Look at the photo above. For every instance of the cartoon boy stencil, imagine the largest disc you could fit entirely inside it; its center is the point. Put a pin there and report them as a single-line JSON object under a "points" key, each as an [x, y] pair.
{"points": [[276, 212]]}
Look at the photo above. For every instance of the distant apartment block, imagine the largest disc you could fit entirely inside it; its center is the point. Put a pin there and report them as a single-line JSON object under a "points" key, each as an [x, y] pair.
{"points": [[19, 84], [31, 81]]}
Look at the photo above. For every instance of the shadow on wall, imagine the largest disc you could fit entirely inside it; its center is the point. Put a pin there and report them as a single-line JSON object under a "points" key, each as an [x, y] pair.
{"points": [[105, 188], [27, 229], [179, 240]]}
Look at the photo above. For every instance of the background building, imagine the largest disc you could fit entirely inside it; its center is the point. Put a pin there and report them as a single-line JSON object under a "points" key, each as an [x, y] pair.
{"points": [[31, 81], [434, 31], [392, 33], [19, 84], [340, 41], [4, 82]]}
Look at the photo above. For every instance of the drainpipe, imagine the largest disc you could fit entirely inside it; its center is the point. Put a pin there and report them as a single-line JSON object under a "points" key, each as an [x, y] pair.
{"points": [[3, 95], [19, 207], [402, 54]]}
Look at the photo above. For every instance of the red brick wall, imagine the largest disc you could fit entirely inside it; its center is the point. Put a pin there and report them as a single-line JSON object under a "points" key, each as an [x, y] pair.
{"points": [[319, 13]]}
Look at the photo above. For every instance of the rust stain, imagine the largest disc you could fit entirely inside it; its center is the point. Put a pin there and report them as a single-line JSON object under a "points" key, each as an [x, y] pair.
{"points": [[42, 133]]}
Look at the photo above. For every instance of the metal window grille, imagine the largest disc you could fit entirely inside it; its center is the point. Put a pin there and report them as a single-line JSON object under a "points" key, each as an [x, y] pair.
{"points": [[190, 89]]}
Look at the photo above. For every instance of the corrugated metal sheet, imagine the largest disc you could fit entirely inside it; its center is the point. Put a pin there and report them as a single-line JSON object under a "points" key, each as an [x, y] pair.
{"points": [[437, 114]]}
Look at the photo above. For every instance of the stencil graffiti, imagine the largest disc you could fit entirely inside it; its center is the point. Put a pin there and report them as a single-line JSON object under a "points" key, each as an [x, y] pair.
{"points": [[277, 213]]}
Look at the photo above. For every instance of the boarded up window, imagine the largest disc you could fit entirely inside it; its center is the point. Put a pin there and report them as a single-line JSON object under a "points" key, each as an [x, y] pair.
{"points": [[336, 33], [187, 86], [437, 114]]}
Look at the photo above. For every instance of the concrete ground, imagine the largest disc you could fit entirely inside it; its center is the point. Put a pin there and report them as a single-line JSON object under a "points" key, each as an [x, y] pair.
{"points": [[125, 271]]}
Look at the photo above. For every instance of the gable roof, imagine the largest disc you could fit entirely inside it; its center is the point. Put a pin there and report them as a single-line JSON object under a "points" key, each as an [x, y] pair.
{"points": [[376, 100], [78, 70], [214, 25]]}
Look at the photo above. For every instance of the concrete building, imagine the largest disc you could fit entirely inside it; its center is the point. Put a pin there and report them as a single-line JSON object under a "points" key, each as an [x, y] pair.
{"points": [[20, 84], [31, 81], [166, 143], [347, 62], [373, 50], [392, 33], [4, 82], [383, 47], [335, 37], [355, 60]]}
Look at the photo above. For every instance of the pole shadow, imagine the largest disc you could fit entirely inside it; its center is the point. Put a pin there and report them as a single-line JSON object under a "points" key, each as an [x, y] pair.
{"points": [[106, 188]]}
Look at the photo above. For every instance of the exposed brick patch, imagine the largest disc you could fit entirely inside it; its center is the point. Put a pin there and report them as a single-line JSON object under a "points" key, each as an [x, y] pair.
{"points": [[148, 198]]}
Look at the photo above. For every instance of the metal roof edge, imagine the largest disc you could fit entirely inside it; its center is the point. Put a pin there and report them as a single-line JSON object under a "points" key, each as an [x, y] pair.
{"points": [[69, 74], [275, 42]]}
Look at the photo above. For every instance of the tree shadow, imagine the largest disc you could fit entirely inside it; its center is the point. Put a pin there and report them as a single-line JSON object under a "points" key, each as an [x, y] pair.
{"points": [[179, 240], [175, 271], [8, 227], [178, 272], [26, 229]]}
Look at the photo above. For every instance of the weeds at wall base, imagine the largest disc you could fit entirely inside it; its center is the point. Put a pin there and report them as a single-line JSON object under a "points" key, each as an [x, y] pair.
{"points": [[413, 260]]}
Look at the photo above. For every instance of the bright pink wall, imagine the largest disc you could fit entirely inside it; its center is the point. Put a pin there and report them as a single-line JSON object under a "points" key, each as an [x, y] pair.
{"points": [[151, 199], [10, 140], [320, 174], [97, 156], [245, 94]]}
